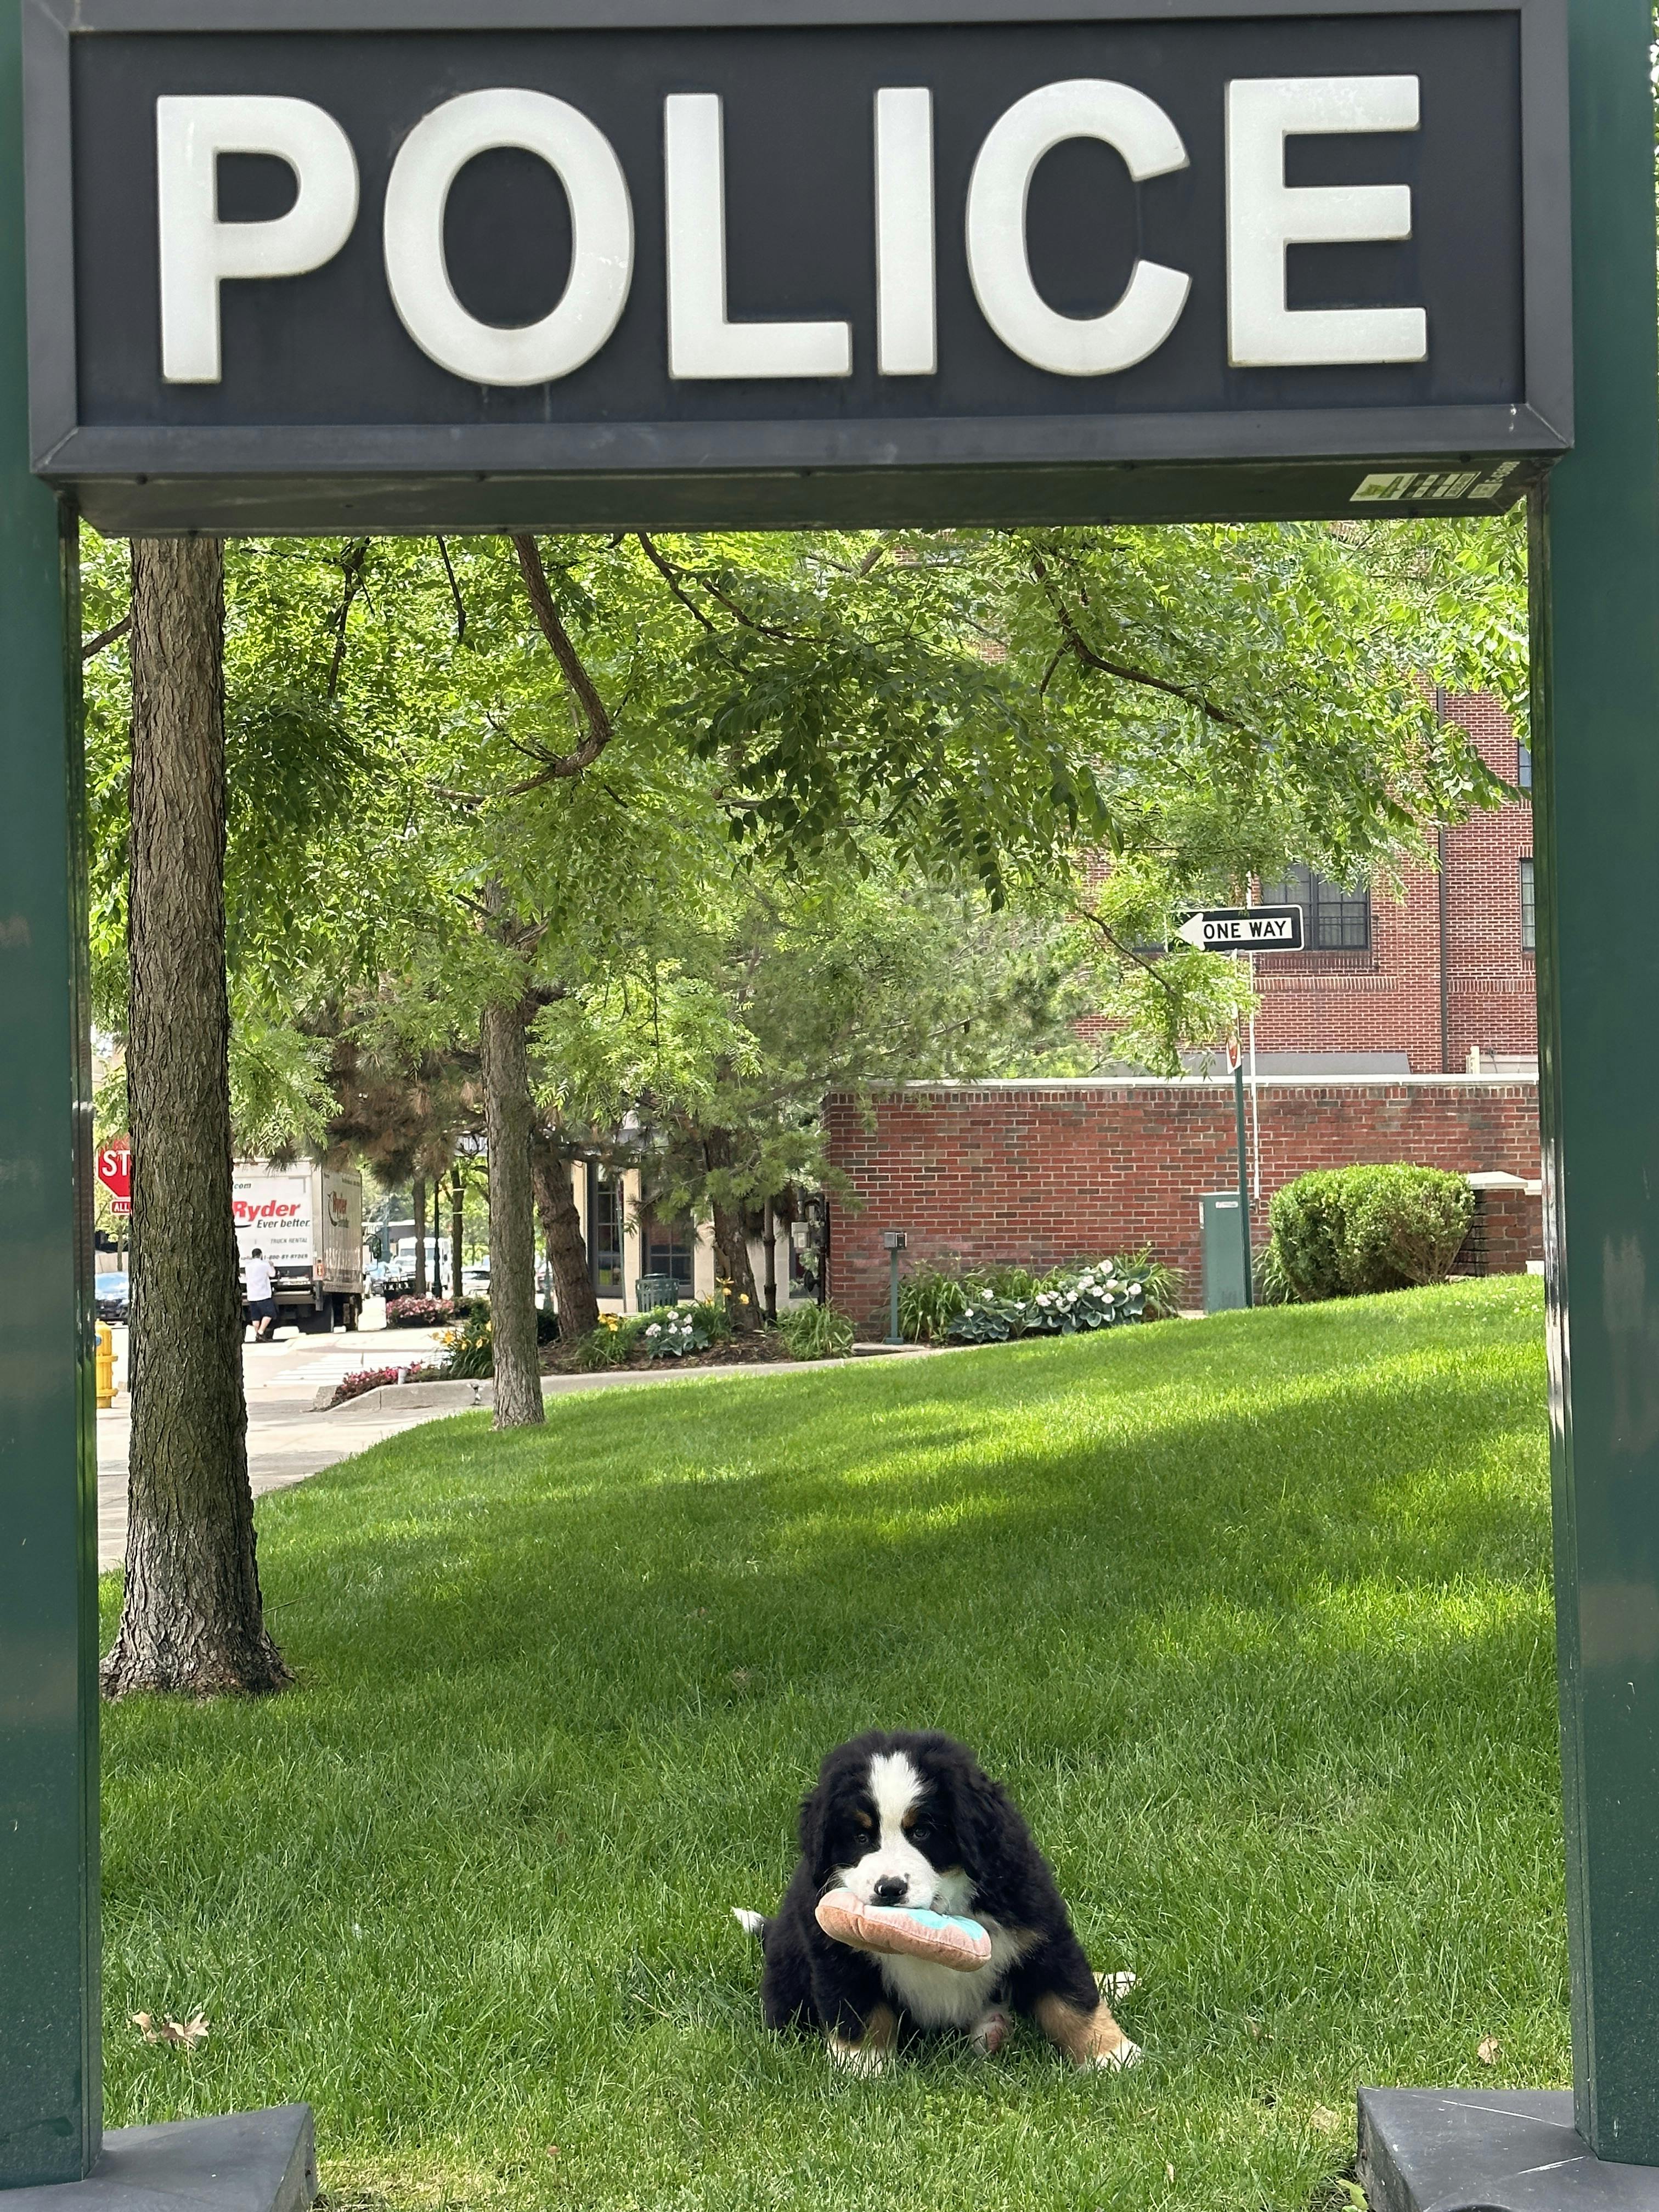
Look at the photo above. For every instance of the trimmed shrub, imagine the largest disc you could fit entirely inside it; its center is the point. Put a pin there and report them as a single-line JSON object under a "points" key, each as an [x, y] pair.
{"points": [[1349, 1232], [1405, 1227], [815, 1333], [1309, 1228]]}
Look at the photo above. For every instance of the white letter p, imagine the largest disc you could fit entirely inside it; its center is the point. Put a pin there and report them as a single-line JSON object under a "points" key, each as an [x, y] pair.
{"points": [[198, 252]]}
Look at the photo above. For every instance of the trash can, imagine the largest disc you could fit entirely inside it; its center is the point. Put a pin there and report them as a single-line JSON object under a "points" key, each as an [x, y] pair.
{"points": [[1225, 1287]]}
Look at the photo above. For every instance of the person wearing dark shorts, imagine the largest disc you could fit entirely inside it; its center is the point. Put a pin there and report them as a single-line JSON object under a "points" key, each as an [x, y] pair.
{"points": [[261, 1301]]}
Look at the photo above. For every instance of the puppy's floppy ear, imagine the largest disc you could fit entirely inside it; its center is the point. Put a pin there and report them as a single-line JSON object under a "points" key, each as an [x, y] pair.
{"points": [[814, 1828], [990, 1831]]}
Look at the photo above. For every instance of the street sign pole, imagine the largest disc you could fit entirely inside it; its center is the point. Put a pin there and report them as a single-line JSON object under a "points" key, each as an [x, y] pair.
{"points": [[49, 2001], [1595, 802], [1236, 1055]]}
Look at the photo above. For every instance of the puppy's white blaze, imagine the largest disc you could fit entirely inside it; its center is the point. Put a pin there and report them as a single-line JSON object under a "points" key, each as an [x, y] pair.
{"points": [[897, 1788]]}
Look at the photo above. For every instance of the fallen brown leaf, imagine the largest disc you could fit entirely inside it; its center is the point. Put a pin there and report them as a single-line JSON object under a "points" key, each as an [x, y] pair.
{"points": [[184, 2034], [1487, 2048], [1327, 2122]]}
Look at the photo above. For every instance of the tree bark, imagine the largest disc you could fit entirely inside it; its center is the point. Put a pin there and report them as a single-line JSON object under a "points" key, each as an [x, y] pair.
{"points": [[192, 1617], [508, 1113], [572, 1279], [420, 1237], [732, 1262]]}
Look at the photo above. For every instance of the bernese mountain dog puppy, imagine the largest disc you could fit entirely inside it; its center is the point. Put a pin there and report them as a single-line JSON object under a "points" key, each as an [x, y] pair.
{"points": [[907, 1819]]}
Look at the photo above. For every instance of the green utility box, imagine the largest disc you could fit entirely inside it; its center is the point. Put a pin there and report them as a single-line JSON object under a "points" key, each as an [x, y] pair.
{"points": [[1225, 1286]]}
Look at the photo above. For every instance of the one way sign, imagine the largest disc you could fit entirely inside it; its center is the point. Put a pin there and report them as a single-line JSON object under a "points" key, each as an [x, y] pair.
{"points": [[1244, 929]]}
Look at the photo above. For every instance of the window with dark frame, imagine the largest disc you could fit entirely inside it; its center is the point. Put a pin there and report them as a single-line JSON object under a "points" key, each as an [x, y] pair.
{"points": [[1528, 909], [669, 1246], [1334, 919], [1523, 765], [606, 1214]]}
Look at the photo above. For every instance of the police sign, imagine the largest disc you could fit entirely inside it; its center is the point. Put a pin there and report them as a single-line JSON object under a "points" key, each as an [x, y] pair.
{"points": [[607, 261]]}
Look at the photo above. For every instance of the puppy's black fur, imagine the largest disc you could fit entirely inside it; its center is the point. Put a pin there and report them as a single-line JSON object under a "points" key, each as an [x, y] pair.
{"points": [[969, 1822]]}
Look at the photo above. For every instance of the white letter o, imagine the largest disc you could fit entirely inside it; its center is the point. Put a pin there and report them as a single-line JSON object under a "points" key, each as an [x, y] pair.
{"points": [[999, 263], [601, 237]]}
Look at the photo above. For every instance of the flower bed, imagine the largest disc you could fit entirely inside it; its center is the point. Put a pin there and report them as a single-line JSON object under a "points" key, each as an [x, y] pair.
{"points": [[426, 1313], [380, 1378]]}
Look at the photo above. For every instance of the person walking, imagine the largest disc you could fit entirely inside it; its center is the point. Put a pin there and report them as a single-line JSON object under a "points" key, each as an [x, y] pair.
{"points": [[261, 1300]]}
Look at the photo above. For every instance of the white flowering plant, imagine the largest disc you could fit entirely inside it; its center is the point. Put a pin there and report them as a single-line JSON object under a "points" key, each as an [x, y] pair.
{"points": [[1071, 1302]]}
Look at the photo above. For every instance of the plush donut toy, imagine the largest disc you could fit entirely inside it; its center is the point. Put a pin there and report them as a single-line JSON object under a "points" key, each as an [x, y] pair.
{"points": [[943, 1938]]}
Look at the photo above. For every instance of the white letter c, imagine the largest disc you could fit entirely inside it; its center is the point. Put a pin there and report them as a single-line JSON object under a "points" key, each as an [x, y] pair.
{"points": [[998, 261]]}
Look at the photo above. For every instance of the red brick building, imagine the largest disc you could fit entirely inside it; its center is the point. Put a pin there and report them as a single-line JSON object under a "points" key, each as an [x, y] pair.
{"points": [[1407, 1030], [1044, 1172], [1436, 982]]}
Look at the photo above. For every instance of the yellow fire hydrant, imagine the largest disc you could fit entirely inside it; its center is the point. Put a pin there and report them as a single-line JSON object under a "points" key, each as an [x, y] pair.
{"points": [[105, 1368]]}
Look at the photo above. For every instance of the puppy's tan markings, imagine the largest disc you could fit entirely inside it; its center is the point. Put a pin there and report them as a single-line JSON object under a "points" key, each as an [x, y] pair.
{"points": [[1088, 2038], [873, 2052]]}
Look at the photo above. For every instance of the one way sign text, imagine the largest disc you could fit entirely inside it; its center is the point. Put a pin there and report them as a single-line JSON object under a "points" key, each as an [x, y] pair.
{"points": [[1244, 929]]}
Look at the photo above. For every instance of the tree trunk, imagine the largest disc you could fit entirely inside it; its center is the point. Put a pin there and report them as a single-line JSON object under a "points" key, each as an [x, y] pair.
{"points": [[731, 1238], [508, 1115], [457, 1230], [572, 1279], [420, 1237], [191, 1618]]}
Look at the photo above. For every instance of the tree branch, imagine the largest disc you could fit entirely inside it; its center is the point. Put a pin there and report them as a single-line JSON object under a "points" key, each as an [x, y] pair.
{"points": [[1085, 653], [454, 593], [665, 570], [594, 710], [1126, 952], [112, 635], [352, 567]]}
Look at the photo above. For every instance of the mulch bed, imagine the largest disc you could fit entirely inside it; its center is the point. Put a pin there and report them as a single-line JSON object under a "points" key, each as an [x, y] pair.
{"points": [[763, 1349]]}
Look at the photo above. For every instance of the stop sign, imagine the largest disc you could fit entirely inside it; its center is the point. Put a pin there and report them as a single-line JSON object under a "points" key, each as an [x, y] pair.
{"points": [[115, 1173]]}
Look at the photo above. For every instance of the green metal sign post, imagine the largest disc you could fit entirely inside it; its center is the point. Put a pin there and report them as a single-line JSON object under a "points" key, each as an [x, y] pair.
{"points": [[1596, 616], [49, 2006]]}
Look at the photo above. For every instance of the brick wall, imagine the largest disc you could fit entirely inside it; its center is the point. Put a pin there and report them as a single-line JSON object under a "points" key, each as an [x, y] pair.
{"points": [[1388, 999], [1047, 1172]]}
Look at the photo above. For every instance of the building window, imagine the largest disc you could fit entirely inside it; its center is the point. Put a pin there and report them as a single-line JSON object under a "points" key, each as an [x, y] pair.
{"points": [[1335, 921], [606, 1209], [1523, 768], [1528, 909], [669, 1246]]}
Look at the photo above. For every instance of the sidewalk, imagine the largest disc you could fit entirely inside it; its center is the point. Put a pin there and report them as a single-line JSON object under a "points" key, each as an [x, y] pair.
{"points": [[288, 1438]]}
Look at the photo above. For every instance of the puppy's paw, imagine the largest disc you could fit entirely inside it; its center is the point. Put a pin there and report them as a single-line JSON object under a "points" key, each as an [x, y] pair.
{"points": [[1114, 1985], [864, 2059], [1114, 2059], [988, 2034]]}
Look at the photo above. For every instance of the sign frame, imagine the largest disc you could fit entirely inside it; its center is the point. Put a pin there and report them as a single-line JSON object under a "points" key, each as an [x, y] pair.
{"points": [[1205, 915], [829, 470]]}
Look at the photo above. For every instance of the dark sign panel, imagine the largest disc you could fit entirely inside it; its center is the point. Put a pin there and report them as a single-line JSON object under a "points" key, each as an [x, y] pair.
{"points": [[577, 263]]}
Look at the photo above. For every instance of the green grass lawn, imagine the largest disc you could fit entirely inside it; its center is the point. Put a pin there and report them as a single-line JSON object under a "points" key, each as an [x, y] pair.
{"points": [[1253, 1616]]}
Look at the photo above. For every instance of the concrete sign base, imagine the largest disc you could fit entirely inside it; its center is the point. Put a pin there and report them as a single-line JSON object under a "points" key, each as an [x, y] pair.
{"points": [[244, 2162], [1488, 2150]]}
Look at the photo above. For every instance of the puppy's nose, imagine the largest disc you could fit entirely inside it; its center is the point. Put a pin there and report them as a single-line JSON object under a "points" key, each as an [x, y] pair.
{"points": [[891, 1889]]}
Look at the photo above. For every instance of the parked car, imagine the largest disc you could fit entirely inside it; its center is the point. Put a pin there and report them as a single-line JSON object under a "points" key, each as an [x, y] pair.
{"points": [[475, 1280], [110, 1295]]}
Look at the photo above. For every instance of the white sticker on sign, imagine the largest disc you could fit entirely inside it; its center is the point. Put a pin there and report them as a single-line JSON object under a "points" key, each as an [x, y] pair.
{"points": [[1431, 484]]}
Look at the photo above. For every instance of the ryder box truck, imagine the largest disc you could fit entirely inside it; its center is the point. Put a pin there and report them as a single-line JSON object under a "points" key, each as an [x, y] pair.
{"points": [[309, 1222]]}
